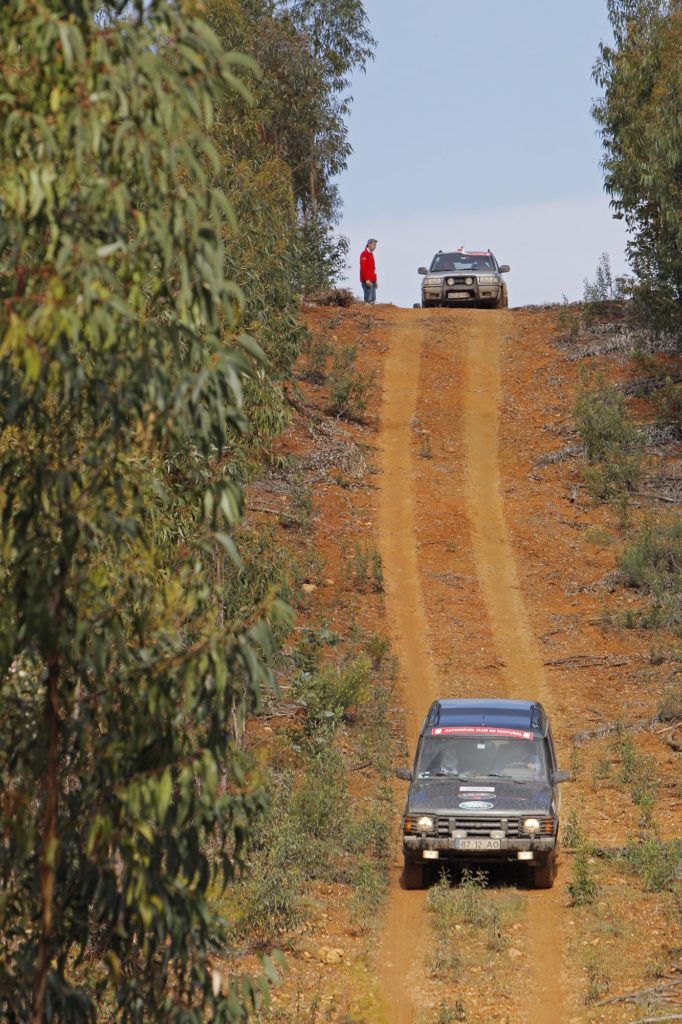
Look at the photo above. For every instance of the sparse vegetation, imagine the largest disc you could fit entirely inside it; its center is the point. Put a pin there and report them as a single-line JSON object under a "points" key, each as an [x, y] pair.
{"points": [[349, 388], [450, 1014], [670, 707], [669, 411], [658, 863], [603, 287], [465, 917], [425, 449], [598, 981], [652, 563], [639, 772], [318, 350], [582, 889], [314, 831], [366, 568], [572, 835], [611, 442]]}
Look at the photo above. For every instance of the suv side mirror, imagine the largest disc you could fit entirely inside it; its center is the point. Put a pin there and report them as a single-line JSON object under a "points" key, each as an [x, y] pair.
{"points": [[505, 268], [560, 777], [422, 270], [404, 773]]}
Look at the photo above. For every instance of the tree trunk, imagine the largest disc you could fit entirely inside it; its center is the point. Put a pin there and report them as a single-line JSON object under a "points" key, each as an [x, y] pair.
{"points": [[50, 843]]}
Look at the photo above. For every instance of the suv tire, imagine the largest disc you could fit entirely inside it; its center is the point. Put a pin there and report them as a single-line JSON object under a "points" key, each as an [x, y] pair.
{"points": [[413, 875], [543, 875]]}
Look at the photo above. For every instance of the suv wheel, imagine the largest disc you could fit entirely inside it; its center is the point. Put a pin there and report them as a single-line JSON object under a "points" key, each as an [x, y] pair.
{"points": [[543, 875], [413, 875]]}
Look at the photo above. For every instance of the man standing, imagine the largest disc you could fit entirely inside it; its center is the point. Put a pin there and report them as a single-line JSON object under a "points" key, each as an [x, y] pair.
{"points": [[368, 273]]}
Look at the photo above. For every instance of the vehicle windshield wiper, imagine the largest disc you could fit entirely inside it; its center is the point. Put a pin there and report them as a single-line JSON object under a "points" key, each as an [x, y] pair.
{"points": [[491, 775]]}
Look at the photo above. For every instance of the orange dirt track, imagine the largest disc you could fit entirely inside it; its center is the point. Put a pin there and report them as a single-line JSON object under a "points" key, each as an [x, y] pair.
{"points": [[443, 391], [498, 572]]}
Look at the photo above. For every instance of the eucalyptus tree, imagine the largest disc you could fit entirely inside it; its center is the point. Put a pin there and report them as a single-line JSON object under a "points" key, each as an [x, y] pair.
{"points": [[641, 131], [121, 370]]}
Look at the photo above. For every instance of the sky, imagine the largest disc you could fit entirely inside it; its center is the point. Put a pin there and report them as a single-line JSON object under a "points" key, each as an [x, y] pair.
{"points": [[473, 127]]}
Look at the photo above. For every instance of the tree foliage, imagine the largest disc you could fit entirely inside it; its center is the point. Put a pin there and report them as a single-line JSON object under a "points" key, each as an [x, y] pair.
{"points": [[641, 130], [122, 365], [306, 53]]}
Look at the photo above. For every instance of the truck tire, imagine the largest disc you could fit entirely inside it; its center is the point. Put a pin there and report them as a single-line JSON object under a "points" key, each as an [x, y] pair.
{"points": [[543, 875], [413, 875]]}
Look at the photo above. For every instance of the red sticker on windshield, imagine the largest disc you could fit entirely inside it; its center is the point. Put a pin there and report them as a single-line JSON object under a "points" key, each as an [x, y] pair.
{"points": [[480, 730]]}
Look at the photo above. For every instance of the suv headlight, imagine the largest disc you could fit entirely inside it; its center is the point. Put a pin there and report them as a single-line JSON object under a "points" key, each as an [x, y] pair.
{"points": [[488, 279], [431, 281], [425, 824], [538, 826]]}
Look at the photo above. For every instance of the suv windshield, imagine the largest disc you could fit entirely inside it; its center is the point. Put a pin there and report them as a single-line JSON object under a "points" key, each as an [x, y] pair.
{"points": [[445, 261], [470, 756]]}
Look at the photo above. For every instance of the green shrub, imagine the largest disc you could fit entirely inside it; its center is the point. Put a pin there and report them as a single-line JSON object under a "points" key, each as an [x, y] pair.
{"points": [[658, 863], [670, 405], [572, 834], [611, 441], [349, 389], [582, 889], [447, 1014], [328, 693], [367, 567], [318, 350], [369, 891], [598, 981], [670, 706], [313, 832], [445, 959], [652, 562], [639, 772], [472, 905]]}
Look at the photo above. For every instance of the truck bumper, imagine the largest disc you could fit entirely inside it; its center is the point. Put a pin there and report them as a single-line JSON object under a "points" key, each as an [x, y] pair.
{"points": [[533, 850]]}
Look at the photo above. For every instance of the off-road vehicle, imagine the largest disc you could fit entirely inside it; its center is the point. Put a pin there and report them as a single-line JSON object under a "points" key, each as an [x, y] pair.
{"points": [[483, 789], [464, 278]]}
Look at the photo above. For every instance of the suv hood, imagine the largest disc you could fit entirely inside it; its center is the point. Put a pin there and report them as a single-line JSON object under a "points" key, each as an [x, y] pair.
{"points": [[492, 796]]}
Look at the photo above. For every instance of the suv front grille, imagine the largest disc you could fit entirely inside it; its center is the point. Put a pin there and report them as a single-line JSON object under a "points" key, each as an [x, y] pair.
{"points": [[484, 826], [479, 826]]}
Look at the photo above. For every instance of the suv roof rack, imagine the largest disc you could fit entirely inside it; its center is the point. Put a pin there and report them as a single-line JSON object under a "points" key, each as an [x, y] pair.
{"points": [[510, 714]]}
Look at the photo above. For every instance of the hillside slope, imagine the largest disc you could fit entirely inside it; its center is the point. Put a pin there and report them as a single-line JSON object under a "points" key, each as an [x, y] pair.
{"points": [[498, 571]]}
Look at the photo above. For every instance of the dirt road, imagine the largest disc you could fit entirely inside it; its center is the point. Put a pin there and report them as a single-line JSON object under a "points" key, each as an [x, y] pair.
{"points": [[455, 606]]}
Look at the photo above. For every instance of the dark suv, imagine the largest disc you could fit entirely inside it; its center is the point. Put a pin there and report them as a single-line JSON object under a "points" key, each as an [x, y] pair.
{"points": [[464, 278], [484, 789]]}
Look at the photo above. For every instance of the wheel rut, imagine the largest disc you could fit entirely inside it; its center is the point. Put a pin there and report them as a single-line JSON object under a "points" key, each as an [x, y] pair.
{"points": [[444, 370]]}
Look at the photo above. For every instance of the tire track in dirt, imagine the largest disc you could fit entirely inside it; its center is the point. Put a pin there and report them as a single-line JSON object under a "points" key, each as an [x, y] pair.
{"points": [[409, 629], [522, 671], [520, 660]]}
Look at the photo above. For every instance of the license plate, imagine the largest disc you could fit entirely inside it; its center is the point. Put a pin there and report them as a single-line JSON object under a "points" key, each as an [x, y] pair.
{"points": [[458, 295], [477, 844]]}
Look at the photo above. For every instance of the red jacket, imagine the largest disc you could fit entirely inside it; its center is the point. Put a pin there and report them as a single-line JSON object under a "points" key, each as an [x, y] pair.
{"points": [[367, 268]]}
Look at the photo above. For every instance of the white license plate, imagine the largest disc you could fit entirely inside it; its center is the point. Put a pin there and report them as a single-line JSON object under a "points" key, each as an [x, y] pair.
{"points": [[458, 295], [477, 844]]}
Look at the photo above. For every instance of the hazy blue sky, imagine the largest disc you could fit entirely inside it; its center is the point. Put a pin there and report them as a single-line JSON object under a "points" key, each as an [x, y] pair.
{"points": [[472, 127]]}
